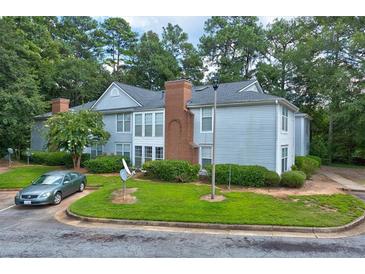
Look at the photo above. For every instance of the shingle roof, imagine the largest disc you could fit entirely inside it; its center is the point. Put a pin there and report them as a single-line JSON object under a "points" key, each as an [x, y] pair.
{"points": [[202, 95], [227, 93], [147, 98]]}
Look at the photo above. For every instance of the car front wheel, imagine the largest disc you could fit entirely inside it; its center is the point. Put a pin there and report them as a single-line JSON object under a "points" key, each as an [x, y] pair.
{"points": [[82, 187], [57, 198]]}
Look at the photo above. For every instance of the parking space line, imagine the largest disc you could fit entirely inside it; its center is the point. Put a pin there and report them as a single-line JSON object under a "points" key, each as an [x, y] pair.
{"points": [[6, 208]]}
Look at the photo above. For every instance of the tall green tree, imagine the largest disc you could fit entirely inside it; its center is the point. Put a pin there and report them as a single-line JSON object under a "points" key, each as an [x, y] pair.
{"points": [[81, 36], [119, 40], [275, 71], [20, 99], [175, 41], [232, 45], [152, 64]]}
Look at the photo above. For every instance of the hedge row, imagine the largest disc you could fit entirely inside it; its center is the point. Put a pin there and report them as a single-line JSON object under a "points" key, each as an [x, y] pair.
{"points": [[58, 158], [172, 170], [293, 179], [308, 164], [256, 176], [105, 164]]}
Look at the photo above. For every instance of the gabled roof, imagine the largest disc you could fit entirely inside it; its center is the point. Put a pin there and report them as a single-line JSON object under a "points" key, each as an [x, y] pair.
{"points": [[227, 93], [147, 98]]}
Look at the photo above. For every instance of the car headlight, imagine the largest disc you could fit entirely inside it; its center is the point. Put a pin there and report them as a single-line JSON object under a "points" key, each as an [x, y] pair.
{"points": [[45, 195], [17, 195]]}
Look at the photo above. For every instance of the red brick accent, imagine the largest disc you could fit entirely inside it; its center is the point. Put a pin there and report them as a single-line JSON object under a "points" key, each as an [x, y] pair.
{"points": [[179, 122], [60, 105]]}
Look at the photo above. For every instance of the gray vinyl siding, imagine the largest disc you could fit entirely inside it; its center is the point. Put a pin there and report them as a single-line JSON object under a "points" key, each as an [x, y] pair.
{"points": [[302, 138], [107, 101], [38, 140], [306, 136], [245, 135], [298, 136], [115, 137]]}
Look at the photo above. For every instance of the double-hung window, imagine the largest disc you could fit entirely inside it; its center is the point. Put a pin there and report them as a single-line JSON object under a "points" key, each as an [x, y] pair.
{"points": [[123, 150], [138, 156], [158, 153], [159, 124], [284, 119], [96, 150], [138, 125], [124, 122], [148, 124], [207, 120], [284, 158], [206, 155], [147, 153]]}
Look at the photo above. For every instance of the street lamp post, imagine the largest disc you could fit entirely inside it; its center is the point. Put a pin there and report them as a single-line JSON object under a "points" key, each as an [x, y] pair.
{"points": [[215, 87]]}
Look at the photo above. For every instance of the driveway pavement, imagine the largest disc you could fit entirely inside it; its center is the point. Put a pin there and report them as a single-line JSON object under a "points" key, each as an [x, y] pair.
{"points": [[35, 232]]}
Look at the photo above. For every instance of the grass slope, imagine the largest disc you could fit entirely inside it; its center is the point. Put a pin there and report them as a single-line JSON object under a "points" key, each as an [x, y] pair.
{"points": [[181, 202]]}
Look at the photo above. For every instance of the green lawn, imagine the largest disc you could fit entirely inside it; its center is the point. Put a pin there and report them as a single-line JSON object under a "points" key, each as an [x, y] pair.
{"points": [[181, 202], [19, 177]]}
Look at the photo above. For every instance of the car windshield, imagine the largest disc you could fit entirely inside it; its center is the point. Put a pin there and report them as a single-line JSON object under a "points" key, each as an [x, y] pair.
{"points": [[48, 180]]}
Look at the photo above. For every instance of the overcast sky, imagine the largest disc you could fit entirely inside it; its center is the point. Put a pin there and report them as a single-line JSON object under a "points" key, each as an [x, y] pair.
{"points": [[193, 25]]}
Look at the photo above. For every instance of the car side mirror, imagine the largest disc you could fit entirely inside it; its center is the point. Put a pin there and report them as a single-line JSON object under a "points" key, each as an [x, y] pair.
{"points": [[66, 182]]}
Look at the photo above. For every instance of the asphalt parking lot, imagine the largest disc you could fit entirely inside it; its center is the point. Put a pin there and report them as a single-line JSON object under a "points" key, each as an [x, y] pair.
{"points": [[36, 232]]}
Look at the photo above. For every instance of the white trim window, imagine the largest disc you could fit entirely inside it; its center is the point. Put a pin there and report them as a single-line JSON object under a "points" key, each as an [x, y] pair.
{"points": [[206, 120], [148, 124], [124, 123], [158, 124], [138, 156], [138, 127], [206, 155], [284, 158], [96, 150], [147, 153], [158, 153], [123, 149], [284, 119]]}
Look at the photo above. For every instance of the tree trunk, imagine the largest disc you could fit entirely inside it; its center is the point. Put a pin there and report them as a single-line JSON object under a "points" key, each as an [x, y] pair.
{"points": [[330, 138], [76, 160]]}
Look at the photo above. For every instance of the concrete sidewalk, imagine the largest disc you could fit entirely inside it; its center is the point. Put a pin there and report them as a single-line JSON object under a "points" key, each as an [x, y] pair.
{"points": [[346, 183]]}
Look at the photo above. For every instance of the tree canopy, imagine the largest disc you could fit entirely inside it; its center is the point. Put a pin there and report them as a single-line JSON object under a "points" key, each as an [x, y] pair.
{"points": [[317, 63]]}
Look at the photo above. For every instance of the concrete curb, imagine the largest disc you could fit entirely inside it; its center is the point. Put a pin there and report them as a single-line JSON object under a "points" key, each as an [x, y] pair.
{"points": [[271, 228], [352, 189]]}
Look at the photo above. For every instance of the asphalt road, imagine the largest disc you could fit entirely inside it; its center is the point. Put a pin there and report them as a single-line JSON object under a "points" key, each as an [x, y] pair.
{"points": [[34, 232]]}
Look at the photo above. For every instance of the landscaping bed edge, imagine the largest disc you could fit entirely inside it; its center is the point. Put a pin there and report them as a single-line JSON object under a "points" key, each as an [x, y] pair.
{"points": [[273, 228]]}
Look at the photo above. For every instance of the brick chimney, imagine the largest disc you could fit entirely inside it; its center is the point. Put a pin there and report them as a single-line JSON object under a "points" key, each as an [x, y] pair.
{"points": [[179, 122], [60, 105]]}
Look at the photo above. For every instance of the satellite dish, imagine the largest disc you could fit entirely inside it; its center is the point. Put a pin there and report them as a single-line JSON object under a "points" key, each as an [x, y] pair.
{"points": [[126, 167], [123, 175]]}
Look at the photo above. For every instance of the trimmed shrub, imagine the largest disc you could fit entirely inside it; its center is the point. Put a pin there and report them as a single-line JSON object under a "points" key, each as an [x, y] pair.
{"points": [[50, 158], [172, 170], [250, 176], [272, 178], [105, 164], [293, 179], [316, 158], [307, 165], [58, 158]]}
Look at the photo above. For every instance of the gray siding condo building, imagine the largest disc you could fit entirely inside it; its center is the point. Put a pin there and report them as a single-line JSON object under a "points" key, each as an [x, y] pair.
{"points": [[252, 128]]}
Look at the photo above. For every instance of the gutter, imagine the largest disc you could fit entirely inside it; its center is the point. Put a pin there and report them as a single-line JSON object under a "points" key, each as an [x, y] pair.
{"points": [[250, 103]]}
